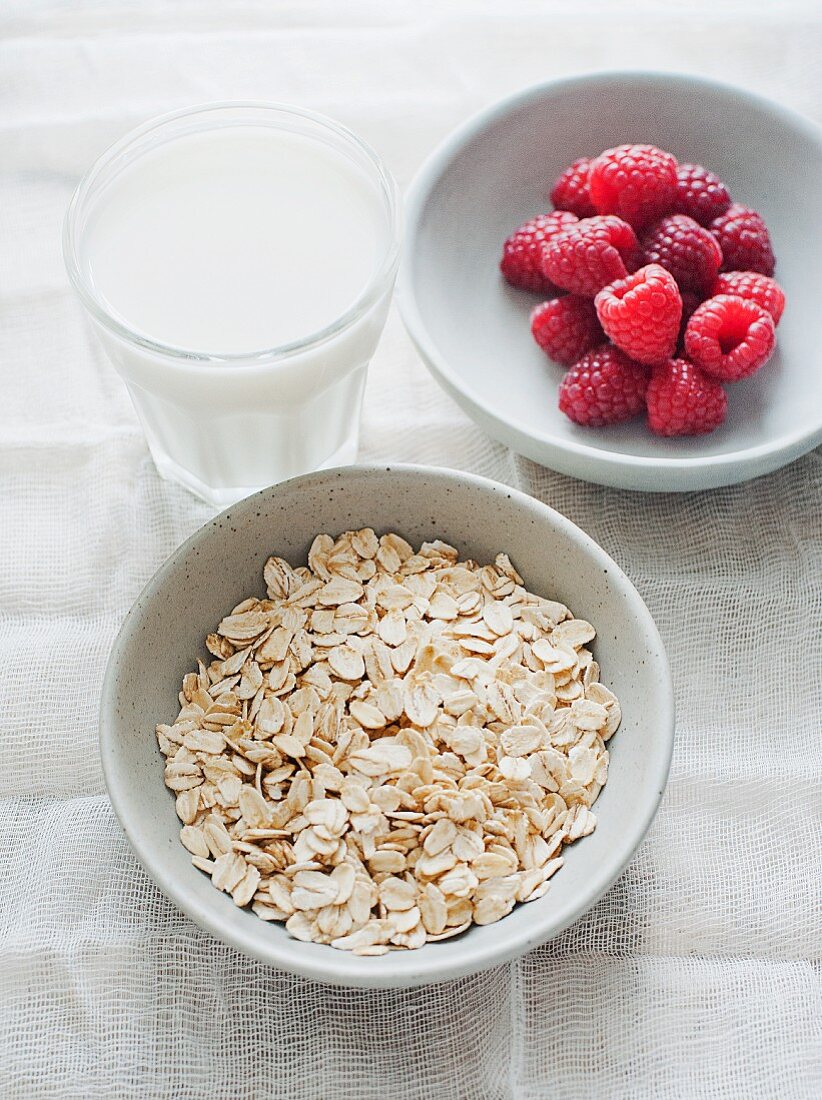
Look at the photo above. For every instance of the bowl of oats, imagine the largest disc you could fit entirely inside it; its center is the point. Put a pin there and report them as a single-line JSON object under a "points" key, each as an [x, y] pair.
{"points": [[387, 726]]}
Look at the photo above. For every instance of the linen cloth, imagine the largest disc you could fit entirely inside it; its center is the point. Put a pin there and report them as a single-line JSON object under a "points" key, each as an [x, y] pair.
{"points": [[698, 974]]}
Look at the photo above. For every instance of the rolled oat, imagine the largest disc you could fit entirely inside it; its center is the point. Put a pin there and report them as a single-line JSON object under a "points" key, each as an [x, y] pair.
{"points": [[390, 746]]}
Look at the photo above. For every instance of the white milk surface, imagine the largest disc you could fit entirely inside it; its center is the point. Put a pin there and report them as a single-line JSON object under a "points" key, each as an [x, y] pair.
{"points": [[234, 240]]}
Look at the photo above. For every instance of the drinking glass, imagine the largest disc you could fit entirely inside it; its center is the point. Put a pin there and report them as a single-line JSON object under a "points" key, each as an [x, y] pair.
{"points": [[223, 424]]}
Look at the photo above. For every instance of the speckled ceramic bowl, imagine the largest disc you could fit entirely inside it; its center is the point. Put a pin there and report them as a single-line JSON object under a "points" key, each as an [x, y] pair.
{"points": [[472, 329], [222, 563]]}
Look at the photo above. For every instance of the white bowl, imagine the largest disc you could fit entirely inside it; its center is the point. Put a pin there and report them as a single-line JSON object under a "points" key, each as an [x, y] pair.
{"points": [[222, 563], [472, 329]]}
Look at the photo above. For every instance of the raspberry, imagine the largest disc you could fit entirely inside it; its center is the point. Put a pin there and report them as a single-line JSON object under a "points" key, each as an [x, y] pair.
{"points": [[683, 400], [604, 387], [570, 192], [756, 288], [744, 240], [566, 328], [730, 337], [522, 253], [700, 194], [637, 182], [585, 257], [686, 249], [641, 314]]}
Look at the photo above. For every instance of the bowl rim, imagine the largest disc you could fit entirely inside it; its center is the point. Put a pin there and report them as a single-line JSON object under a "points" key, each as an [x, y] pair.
{"points": [[341, 968], [788, 444]]}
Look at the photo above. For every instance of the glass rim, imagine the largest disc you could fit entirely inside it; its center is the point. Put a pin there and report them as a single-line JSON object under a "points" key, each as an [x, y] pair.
{"points": [[382, 274]]}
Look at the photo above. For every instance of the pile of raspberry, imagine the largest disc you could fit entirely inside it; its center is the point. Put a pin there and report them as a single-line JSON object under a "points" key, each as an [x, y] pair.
{"points": [[660, 289]]}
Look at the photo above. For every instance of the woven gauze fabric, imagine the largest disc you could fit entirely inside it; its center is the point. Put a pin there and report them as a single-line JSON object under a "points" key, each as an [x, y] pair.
{"points": [[698, 973]]}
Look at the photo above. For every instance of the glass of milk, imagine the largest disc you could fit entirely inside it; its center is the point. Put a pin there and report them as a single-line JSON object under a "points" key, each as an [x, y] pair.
{"points": [[237, 262]]}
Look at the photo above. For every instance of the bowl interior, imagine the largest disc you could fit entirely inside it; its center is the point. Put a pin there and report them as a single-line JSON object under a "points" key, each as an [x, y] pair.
{"points": [[497, 174], [221, 564]]}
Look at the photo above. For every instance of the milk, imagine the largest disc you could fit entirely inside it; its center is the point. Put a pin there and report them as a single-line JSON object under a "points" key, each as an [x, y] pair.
{"points": [[237, 262], [235, 240]]}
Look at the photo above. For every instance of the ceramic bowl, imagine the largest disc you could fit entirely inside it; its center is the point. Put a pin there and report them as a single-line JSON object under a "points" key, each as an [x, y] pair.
{"points": [[472, 329], [222, 563]]}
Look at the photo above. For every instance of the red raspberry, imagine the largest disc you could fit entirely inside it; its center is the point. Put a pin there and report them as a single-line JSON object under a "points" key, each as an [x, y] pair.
{"points": [[585, 257], [683, 400], [522, 253], [744, 240], [604, 387], [700, 194], [566, 328], [690, 303], [637, 182], [570, 192], [686, 249], [641, 314], [756, 288], [730, 337]]}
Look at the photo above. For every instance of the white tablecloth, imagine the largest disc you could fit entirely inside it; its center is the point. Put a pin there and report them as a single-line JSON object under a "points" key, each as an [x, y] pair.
{"points": [[698, 974]]}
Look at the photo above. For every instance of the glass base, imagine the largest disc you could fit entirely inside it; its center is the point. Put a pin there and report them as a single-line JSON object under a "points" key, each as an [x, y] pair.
{"points": [[220, 498]]}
